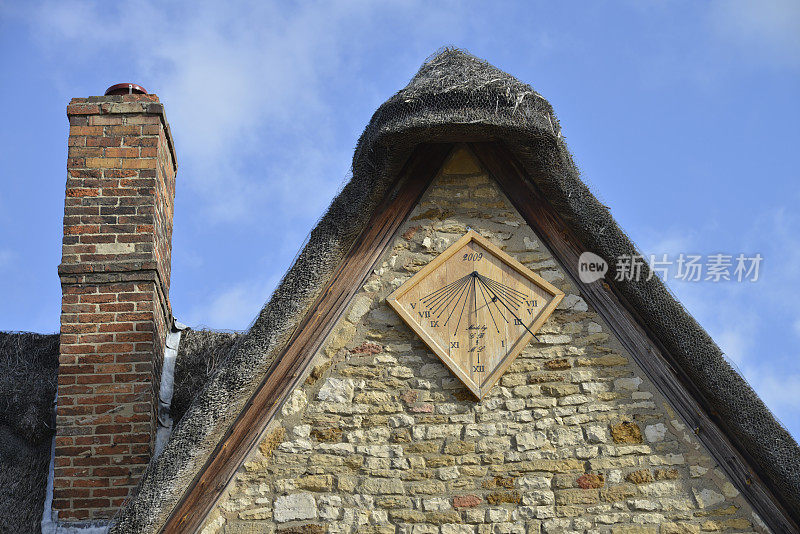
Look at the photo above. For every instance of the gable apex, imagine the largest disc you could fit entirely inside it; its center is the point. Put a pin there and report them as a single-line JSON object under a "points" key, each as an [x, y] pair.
{"points": [[461, 161]]}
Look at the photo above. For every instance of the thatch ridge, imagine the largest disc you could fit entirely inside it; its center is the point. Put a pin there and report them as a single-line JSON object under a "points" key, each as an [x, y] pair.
{"points": [[455, 97]]}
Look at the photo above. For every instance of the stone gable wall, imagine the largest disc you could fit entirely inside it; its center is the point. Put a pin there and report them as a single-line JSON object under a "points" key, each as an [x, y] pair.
{"points": [[383, 438]]}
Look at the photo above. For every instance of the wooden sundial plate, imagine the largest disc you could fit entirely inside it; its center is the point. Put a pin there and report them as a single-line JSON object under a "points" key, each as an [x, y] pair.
{"points": [[476, 308]]}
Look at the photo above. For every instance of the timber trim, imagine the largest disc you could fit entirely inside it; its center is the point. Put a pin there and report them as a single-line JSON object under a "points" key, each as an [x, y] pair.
{"points": [[645, 348], [287, 369]]}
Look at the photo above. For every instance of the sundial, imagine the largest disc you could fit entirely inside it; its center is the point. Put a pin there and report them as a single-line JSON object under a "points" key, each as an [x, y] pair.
{"points": [[476, 308]]}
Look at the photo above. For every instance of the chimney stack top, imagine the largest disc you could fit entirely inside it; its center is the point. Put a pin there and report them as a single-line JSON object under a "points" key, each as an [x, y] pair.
{"points": [[126, 89]]}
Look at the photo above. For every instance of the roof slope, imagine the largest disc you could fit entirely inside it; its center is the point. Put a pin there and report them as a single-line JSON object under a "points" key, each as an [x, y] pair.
{"points": [[457, 97]]}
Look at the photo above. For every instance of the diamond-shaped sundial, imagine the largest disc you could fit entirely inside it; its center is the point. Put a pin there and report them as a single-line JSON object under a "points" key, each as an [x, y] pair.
{"points": [[476, 308]]}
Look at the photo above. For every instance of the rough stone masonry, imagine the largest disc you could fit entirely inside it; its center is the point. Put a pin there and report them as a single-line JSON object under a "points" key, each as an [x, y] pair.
{"points": [[382, 438]]}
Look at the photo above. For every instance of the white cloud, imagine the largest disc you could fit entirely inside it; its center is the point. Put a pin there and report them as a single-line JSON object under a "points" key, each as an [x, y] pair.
{"points": [[745, 318], [233, 307], [767, 29], [6, 257], [247, 87], [230, 83]]}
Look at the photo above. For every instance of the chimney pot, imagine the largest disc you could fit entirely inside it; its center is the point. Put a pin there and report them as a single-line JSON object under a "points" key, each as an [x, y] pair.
{"points": [[126, 89]]}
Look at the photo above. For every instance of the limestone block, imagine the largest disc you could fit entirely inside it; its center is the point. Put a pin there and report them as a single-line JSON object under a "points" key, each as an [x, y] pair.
{"points": [[627, 384], [655, 433], [296, 402], [359, 308], [707, 497], [295, 507], [336, 390], [530, 440]]}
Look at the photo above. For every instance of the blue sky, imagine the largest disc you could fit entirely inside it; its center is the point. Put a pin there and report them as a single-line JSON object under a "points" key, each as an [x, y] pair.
{"points": [[683, 117]]}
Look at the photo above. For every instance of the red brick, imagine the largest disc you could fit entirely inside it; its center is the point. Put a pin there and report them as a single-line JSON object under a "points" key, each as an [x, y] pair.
{"points": [[85, 152], [466, 501], [82, 192], [78, 389], [94, 379], [95, 338], [82, 229], [103, 141], [110, 492], [122, 152], [74, 410], [70, 493], [110, 471], [99, 297], [114, 388], [85, 130], [140, 141], [95, 399], [76, 369], [134, 438], [90, 503], [117, 327], [83, 109], [114, 347]]}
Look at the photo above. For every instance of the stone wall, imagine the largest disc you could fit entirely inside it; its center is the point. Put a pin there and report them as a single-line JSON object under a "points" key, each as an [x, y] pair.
{"points": [[383, 438]]}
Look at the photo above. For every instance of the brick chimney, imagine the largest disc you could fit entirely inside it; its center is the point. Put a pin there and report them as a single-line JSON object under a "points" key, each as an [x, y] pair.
{"points": [[115, 312]]}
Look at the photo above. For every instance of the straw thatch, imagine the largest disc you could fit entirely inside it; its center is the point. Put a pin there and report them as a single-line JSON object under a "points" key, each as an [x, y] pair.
{"points": [[199, 354], [28, 375], [454, 97]]}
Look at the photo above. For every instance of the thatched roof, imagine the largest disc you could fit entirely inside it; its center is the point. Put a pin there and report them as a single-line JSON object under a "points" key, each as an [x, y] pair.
{"points": [[28, 375], [199, 354], [455, 97]]}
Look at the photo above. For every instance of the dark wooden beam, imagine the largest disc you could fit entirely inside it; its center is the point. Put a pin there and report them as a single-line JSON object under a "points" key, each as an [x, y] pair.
{"points": [[657, 363], [288, 367]]}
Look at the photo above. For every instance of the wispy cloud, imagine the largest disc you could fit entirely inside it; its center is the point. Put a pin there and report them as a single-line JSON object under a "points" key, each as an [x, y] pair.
{"points": [[233, 306], [768, 29], [741, 317], [237, 87], [249, 89], [6, 257]]}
